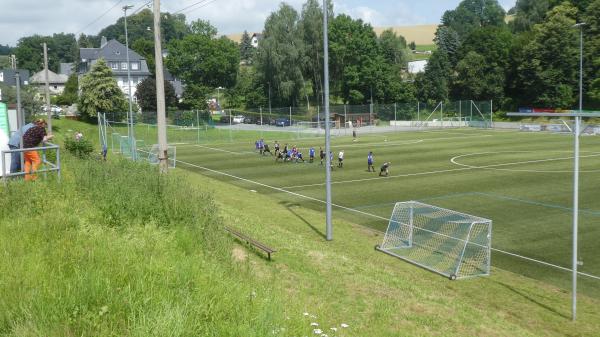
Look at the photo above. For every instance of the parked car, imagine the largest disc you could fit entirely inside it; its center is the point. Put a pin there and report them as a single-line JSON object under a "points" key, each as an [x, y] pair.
{"points": [[282, 122], [238, 119], [224, 120], [249, 120]]}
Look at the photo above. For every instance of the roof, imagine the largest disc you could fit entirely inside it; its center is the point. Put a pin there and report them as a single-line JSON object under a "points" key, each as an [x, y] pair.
{"points": [[66, 69], [40, 77], [112, 51]]}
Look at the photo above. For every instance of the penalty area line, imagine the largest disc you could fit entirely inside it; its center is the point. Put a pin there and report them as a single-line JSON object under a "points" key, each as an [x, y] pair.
{"points": [[370, 215]]}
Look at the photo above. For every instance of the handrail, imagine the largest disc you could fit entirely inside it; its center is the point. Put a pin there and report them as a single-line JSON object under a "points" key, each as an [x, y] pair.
{"points": [[51, 166]]}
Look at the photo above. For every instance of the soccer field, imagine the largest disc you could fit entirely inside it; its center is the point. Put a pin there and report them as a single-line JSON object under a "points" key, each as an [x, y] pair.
{"points": [[522, 181]]}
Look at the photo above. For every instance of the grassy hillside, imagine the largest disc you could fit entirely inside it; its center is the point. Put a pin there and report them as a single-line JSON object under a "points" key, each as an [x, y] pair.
{"points": [[115, 251]]}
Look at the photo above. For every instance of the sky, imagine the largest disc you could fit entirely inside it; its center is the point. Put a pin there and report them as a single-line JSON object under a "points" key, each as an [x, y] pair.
{"points": [[21, 18]]}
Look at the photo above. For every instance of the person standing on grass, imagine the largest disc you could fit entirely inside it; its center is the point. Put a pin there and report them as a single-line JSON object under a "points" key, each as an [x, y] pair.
{"points": [[276, 147], [311, 154], [370, 162], [341, 159], [354, 135], [266, 149], [385, 169], [331, 160], [14, 143], [322, 155], [32, 138]]}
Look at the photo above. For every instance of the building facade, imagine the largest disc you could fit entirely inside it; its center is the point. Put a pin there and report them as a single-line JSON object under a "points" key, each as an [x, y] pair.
{"points": [[115, 55]]}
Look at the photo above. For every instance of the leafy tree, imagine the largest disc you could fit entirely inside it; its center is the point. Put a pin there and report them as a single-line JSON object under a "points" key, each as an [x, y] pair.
{"points": [[433, 85], [100, 92], [145, 48], [548, 69], [246, 49], [140, 25], [71, 92], [412, 45], [279, 56], [476, 79], [393, 48], [5, 50], [30, 104], [473, 14], [248, 91], [529, 13], [61, 48], [354, 62], [203, 62], [592, 53], [146, 94]]}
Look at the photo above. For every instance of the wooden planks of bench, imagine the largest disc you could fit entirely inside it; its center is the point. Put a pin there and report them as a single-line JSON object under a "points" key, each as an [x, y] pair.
{"points": [[251, 241]]}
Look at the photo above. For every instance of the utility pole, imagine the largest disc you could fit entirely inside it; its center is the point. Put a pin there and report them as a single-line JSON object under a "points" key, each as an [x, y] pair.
{"points": [[329, 226], [47, 88], [20, 117], [163, 155], [130, 125]]}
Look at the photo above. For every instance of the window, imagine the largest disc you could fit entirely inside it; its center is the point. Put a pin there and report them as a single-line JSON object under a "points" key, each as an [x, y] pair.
{"points": [[135, 66], [114, 65], [124, 65]]}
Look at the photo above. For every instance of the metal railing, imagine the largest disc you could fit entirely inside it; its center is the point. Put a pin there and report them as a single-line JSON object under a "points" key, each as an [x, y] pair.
{"points": [[49, 166]]}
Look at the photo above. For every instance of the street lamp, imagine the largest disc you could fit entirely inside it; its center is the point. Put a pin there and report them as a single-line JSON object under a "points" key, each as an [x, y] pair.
{"points": [[580, 26], [132, 144], [218, 105]]}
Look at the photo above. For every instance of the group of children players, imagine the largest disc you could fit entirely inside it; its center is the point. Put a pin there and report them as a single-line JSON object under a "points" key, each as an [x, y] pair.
{"points": [[293, 154]]}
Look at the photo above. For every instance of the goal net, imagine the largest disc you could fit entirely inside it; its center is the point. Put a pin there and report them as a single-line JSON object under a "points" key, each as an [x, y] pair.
{"points": [[152, 155], [452, 244]]}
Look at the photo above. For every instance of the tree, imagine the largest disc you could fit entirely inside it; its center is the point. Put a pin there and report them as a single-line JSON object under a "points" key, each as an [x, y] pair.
{"points": [[355, 60], [592, 53], [448, 41], [393, 48], [248, 92], [470, 15], [529, 13], [100, 92], [412, 45], [31, 106], [5, 50], [203, 62], [476, 79], [61, 48], [433, 85], [71, 92], [145, 48], [548, 70], [279, 56], [246, 49], [146, 95]]}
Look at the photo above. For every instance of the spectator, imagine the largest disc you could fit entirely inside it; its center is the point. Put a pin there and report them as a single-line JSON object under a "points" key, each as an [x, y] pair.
{"points": [[32, 138], [15, 143]]}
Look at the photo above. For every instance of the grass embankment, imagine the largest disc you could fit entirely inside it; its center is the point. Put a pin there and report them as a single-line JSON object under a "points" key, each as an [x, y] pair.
{"points": [[114, 251]]}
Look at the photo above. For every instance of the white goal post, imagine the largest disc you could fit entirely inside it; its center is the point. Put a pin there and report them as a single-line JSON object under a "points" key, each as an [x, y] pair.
{"points": [[450, 243]]}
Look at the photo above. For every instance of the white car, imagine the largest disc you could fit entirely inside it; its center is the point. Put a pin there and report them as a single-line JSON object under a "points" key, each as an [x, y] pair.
{"points": [[238, 119]]}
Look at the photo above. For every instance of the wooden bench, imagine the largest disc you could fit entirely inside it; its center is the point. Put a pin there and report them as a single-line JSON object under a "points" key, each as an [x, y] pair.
{"points": [[251, 241]]}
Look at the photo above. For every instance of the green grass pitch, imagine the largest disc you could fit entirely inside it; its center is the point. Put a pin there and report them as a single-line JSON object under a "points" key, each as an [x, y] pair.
{"points": [[522, 181]]}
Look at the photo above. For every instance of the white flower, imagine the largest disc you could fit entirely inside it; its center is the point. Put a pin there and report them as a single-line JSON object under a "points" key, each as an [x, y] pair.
{"points": [[333, 329], [306, 314], [314, 324], [317, 331], [344, 325]]}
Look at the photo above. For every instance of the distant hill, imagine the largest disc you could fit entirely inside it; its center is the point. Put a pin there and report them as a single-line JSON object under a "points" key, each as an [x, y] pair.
{"points": [[421, 34]]}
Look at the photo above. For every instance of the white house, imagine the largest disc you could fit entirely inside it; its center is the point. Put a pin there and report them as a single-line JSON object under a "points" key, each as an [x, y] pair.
{"points": [[415, 67]]}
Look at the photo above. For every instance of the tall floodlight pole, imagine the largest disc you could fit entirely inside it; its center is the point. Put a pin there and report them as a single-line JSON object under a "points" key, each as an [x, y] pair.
{"points": [[132, 144], [218, 89], [160, 93], [576, 175], [329, 231], [47, 88]]}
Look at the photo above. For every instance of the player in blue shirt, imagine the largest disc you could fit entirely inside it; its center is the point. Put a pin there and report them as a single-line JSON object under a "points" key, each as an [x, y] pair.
{"points": [[311, 155], [370, 162], [299, 156]]}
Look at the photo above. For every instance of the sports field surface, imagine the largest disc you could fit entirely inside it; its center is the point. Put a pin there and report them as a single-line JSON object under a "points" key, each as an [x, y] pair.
{"points": [[521, 181]]}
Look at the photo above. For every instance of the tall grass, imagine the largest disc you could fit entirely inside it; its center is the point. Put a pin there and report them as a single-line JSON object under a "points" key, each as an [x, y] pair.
{"points": [[114, 249]]}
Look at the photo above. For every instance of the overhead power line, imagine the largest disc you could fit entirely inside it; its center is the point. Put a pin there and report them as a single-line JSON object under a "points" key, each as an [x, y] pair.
{"points": [[203, 3]]}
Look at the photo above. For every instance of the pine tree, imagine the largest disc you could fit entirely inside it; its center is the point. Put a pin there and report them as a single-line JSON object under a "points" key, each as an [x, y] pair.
{"points": [[100, 92]]}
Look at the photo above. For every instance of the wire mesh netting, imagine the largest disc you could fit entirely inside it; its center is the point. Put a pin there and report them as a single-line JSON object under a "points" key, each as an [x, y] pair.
{"points": [[449, 243]]}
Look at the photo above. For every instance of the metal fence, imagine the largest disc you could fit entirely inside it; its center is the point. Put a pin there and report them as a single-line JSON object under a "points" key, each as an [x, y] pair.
{"points": [[50, 161]]}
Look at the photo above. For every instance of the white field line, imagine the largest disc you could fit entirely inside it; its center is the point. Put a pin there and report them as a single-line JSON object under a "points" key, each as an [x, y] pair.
{"points": [[220, 150], [464, 168], [494, 167], [370, 215]]}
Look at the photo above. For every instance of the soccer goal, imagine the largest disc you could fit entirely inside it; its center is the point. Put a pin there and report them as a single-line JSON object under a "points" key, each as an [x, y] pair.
{"points": [[452, 244]]}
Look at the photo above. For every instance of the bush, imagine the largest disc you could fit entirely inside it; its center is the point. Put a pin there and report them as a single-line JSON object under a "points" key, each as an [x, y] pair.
{"points": [[81, 148]]}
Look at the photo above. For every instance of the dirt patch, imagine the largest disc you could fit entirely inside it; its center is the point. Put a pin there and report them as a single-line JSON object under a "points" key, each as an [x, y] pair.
{"points": [[239, 254]]}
